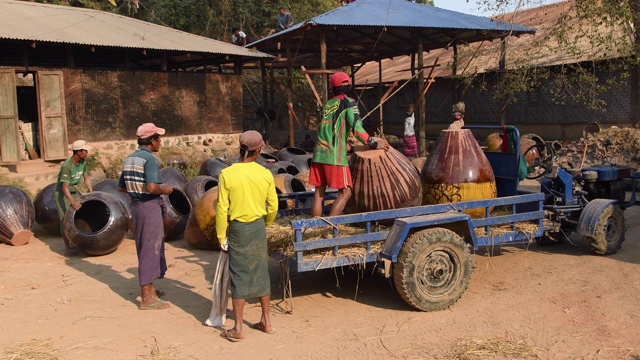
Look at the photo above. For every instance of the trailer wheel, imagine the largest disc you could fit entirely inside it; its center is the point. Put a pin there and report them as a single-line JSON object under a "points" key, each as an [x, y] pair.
{"points": [[609, 232], [433, 269]]}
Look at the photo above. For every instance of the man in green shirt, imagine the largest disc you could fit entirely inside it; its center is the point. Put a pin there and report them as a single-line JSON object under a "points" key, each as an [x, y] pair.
{"points": [[65, 193], [329, 166]]}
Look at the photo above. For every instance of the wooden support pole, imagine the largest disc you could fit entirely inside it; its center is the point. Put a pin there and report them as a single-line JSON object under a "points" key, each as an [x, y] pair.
{"points": [[421, 119], [323, 65]]}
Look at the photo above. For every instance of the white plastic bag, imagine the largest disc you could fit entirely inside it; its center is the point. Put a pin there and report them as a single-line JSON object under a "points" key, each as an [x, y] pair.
{"points": [[220, 290]]}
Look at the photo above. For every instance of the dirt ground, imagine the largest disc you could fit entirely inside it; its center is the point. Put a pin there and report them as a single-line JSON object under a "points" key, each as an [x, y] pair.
{"points": [[556, 302]]}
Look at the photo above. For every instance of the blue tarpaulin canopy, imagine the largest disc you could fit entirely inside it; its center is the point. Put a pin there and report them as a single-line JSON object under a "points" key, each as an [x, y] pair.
{"points": [[367, 30]]}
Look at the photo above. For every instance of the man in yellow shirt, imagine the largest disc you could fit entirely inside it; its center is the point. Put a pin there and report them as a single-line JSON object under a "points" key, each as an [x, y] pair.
{"points": [[247, 204]]}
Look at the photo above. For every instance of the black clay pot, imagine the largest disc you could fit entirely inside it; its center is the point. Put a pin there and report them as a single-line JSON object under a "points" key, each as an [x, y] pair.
{"points": [[212, 167], [288, 153], [282, 167], [99, 226], [265, 158], [173, 177], [46, 211], [16, 216], [110, 186], [197, 186], [177, 210], [302, 162], [176, 161], [287, 184]]}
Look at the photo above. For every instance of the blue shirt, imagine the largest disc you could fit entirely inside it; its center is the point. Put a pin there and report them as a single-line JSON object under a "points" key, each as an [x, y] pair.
{"points": [[139, 169]]}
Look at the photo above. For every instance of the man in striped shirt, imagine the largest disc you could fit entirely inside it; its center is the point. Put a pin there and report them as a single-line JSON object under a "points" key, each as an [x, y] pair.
{"points": [[141, 179]]}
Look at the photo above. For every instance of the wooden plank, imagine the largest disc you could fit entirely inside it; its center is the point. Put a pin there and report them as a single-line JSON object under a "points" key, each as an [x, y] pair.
{"points": [[319, 71], [427, 85], [313, 88], [52, 115], [10, 150]]}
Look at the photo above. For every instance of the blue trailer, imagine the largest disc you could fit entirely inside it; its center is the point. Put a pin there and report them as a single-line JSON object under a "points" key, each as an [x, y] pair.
{"points": [[426, 249]]}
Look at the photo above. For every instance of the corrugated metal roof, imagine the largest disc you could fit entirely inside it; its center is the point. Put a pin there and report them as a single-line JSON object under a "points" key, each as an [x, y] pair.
{"points": [[377, 29], [409, 14], [21, 20]]}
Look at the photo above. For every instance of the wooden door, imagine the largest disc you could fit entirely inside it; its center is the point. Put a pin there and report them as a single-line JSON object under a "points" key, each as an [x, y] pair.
{"points": [[52, 116], [10, 151]]}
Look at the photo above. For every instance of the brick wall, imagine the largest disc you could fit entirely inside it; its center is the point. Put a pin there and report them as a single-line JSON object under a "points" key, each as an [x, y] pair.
{"points": [[532, 112]]}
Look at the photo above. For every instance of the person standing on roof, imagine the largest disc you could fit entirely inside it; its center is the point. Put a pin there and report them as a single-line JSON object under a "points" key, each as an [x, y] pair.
{"points": [[340, 118], [284, 21]]}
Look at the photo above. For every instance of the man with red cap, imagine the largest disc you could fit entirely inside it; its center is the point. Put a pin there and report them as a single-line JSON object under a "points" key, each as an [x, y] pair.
{"points": [[141, 179], [247, 204], [329, 167]]}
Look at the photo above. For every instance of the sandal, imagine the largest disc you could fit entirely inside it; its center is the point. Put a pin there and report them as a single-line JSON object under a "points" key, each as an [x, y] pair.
{"points": [[228, 334], [158, 305], [260, 326]]}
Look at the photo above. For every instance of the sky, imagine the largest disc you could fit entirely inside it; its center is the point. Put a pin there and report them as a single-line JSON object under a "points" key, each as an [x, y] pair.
{"points": [[472, 7]]}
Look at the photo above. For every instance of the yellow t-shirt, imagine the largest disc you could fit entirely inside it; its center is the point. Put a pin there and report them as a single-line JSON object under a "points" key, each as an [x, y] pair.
{"points": [[246, 192]]}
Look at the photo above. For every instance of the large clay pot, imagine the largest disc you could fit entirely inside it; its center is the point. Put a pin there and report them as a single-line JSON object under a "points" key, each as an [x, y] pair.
{"points": [[99, 226], [194, 236], [288, 153], [493, 142], [304, 177], [205, 214], [212, 167], [275, 169], [383, 180], [302, 162], [111, 186], [197, 186], [16, 216], [177, 210], [176, 161], [265, 158], [457, 170], [173, 177], [531, 155], [418, 162], [287, 184], [282, 167], [46, 210], [533, 137]]}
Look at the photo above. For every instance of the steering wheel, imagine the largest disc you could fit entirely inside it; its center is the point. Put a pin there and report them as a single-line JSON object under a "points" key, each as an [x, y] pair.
{"points": [[539, 157]]}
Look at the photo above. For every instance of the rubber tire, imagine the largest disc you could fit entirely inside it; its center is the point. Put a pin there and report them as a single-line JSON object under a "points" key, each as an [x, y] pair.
{"points": [[609, 232], [436, 248]]}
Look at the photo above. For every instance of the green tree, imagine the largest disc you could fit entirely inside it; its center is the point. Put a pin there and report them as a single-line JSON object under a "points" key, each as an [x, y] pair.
{"points": [[602, 36]]}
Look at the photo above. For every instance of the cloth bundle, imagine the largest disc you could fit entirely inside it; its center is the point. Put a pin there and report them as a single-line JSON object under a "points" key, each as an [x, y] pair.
{"points": [[220, 292]]}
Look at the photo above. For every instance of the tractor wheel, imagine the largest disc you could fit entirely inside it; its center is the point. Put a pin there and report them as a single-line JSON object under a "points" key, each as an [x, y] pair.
{"points": [[433, 269], [609, 232]]}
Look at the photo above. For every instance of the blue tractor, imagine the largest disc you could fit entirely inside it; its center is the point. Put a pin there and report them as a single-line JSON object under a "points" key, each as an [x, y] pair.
{"points": [[589, 201]]}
